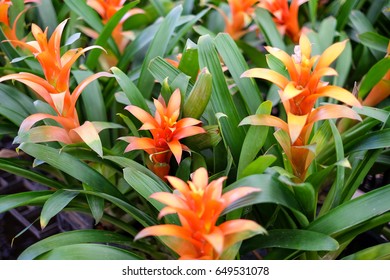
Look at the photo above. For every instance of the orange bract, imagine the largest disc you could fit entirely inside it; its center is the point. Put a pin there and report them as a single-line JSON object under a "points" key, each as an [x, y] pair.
{"points": [[285, 17], [198, 205], [54, 89], [167, 131], [240, 11], [10, 31], [299, 94], [107, 9]]}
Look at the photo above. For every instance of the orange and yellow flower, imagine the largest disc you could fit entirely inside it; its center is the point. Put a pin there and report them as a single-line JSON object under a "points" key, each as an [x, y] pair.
{"points": [[54, 89], [166, 130], [8, 29], [285, 16], [199, 204], [299, 94]]}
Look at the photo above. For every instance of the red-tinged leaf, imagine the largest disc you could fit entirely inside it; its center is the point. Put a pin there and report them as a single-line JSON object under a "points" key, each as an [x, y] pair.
{"points": [[33, 119], [267, 74], [90, 136], [237, 194], [43, 134], [266, 120], [238, 230], [105, 125], [332, 111]]}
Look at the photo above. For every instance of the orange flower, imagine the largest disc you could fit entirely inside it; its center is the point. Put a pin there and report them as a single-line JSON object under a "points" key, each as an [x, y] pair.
{"points": [[299, 94], [285, 17], [54, 89], [381, 90], [240, 11], [107, 9], [199, 204], [10, 31], [167, 131]]}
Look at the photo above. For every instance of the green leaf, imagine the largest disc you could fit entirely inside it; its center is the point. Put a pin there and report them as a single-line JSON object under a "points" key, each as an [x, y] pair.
{"points": [[162, 70], [88, 252], [96, 204], [139, 44], [17, 169], [132, 92], [296, 239], [271, 191], [378, 252], [72, 166], [374, 41], [16, 105], [345, 12], [139, 215], [344, 63], [125, 162], [359, 21], [73, 38], [373, 140], [10, 201], [352, 213], [145, 185], [313, 6], [259, 165], [93, 102], [70, 238], [157, 48], [189, 63], [58, 201], [47, 15], [376, 113], [199, 96], [333, 198], [236, 64], [326, 32], [271, 34], [254, 139], [373, 76], [359, 172], [10, 51], [221, 101]]}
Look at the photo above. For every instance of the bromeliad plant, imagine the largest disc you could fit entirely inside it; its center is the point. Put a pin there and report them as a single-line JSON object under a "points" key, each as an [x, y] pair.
{"points": [[55, 91], [166, 130], [297, 170], [199, 205], [299, 94]]}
